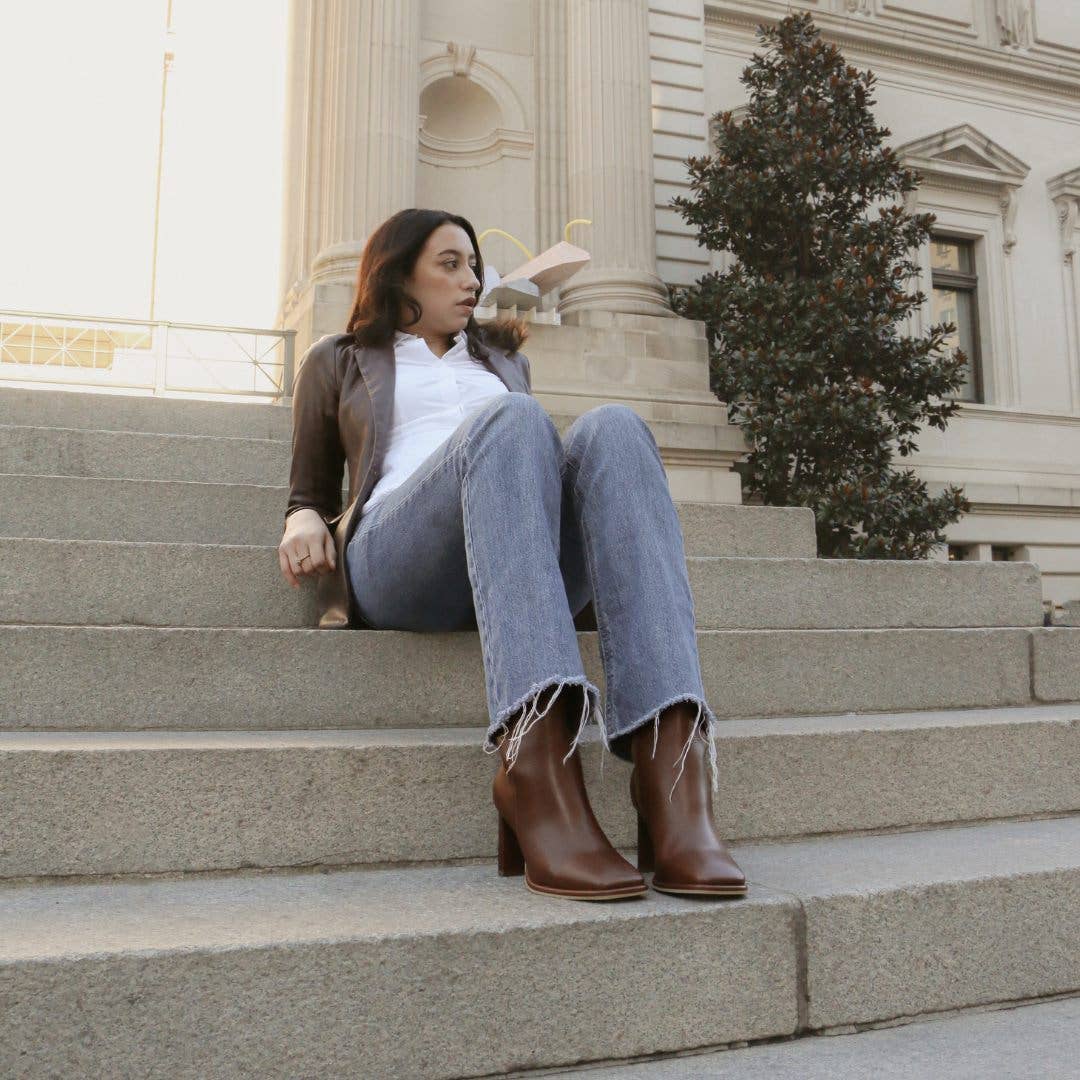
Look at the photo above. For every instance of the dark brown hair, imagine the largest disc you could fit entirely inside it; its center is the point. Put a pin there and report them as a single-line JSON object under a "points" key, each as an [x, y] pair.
{"points": [[389, 256]]}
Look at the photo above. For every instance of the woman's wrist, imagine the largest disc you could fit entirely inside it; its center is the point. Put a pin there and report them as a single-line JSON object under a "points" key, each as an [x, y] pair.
{"points": [[304, 514]]}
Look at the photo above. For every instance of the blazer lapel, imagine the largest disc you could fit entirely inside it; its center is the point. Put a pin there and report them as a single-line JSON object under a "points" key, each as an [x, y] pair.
{"points": [[380, 371]]}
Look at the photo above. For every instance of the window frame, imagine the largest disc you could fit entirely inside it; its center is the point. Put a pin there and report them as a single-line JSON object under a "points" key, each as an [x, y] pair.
{"points": [[960, 280], [973, 187], [996, 319]]}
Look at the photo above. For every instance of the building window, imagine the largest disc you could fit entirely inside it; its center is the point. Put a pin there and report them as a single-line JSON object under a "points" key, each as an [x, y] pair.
{"points": [[960, 552], [955, 300]]}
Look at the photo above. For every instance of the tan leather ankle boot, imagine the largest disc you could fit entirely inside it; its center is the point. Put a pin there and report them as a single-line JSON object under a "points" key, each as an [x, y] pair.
{"points": [[547, 829], [677, 839]]}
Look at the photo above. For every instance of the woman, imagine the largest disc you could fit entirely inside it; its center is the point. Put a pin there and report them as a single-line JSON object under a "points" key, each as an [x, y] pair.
{"points": [[468, 510]]}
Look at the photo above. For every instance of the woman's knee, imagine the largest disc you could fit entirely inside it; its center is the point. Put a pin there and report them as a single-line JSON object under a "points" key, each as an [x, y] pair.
{"points": [[517, 404], [517, 416], [611, 416]]}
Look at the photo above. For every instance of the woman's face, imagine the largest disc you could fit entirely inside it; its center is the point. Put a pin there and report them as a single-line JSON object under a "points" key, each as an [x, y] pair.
{"points": [[444, 276]]}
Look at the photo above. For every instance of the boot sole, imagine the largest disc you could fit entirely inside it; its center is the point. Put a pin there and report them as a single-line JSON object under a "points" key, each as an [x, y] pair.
{"points": [[572, 894], [703, 890]]}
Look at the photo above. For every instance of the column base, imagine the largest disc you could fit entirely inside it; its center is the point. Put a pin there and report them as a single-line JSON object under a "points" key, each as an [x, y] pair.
{"points": [[315, 310], [627, 292], [337, 263]]}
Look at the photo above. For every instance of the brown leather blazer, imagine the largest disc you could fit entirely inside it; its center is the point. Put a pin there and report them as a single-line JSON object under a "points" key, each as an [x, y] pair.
{"points": [[342, 409]]}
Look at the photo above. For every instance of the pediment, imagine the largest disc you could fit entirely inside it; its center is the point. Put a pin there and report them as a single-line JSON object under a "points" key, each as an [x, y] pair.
{"points": [[1065, 185], [964, 154]]}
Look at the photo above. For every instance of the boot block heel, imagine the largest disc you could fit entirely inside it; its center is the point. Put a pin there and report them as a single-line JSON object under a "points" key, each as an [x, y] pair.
{"points": [[511, 859], [644, 846]]}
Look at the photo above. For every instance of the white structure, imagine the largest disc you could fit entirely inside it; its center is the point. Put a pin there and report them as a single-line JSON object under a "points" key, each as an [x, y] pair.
{"points": [[542, 115]]}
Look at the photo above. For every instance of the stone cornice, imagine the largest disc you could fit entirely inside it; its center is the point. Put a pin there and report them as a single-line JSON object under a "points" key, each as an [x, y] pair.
{"points": [[1020, 72], [1029, 510], [1014, 416]]}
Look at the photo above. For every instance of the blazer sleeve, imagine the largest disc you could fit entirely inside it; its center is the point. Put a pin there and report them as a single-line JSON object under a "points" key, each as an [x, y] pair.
{"points": [[318, 458]]}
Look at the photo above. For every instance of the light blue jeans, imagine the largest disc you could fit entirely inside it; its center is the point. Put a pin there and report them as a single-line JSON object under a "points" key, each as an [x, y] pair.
{"points": [[510, 529]]}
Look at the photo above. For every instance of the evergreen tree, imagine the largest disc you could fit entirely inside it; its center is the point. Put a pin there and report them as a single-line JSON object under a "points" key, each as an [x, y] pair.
{"points": [[803, 332]]}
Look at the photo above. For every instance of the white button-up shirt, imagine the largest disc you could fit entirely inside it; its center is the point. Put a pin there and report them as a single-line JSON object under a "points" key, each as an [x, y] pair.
{"points": [[432, 395]]}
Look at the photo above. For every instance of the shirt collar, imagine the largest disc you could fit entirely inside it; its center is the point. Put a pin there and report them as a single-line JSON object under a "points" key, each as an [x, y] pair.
{"points": [[401, 336]]}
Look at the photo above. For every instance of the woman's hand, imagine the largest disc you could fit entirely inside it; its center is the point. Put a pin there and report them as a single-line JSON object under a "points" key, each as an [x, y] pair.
{"points": [[307, 547]]}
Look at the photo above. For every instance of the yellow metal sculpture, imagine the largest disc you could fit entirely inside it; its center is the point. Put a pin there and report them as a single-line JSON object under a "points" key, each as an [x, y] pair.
{"points": [[515, 240], [539, 274]]}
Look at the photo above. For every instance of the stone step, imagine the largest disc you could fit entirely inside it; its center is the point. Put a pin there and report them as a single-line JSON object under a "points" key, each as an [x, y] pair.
{"points": [[132, 678], [1034, 1040], [96, 411], [697, 442], [92, 508], [107, 582], [107, 802], [679, 422], [43, 451], [455, 971], [139, 455]]}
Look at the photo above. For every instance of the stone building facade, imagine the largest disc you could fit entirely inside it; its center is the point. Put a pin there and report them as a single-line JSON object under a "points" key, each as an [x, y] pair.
{"points": [[528, 114]]}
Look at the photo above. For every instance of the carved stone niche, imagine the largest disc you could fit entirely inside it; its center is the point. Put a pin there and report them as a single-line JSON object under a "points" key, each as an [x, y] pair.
{"points": [[470, 115], [962, 158]]}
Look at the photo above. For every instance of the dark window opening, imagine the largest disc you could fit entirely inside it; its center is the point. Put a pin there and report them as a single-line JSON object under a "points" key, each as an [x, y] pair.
{"points": [[954, 300]]}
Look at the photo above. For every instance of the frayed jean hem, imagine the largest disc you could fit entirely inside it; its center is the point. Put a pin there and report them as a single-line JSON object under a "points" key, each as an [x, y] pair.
{"points": [[590, 711], [705, 725]]}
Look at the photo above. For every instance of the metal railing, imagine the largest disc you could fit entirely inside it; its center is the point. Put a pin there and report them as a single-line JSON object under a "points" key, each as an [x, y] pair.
{"points": [[161, 358]]}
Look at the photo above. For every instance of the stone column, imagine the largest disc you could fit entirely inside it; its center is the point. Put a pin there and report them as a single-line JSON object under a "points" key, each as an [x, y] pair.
{"points": [[351, 147], [610, 160], [549, 24]]}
